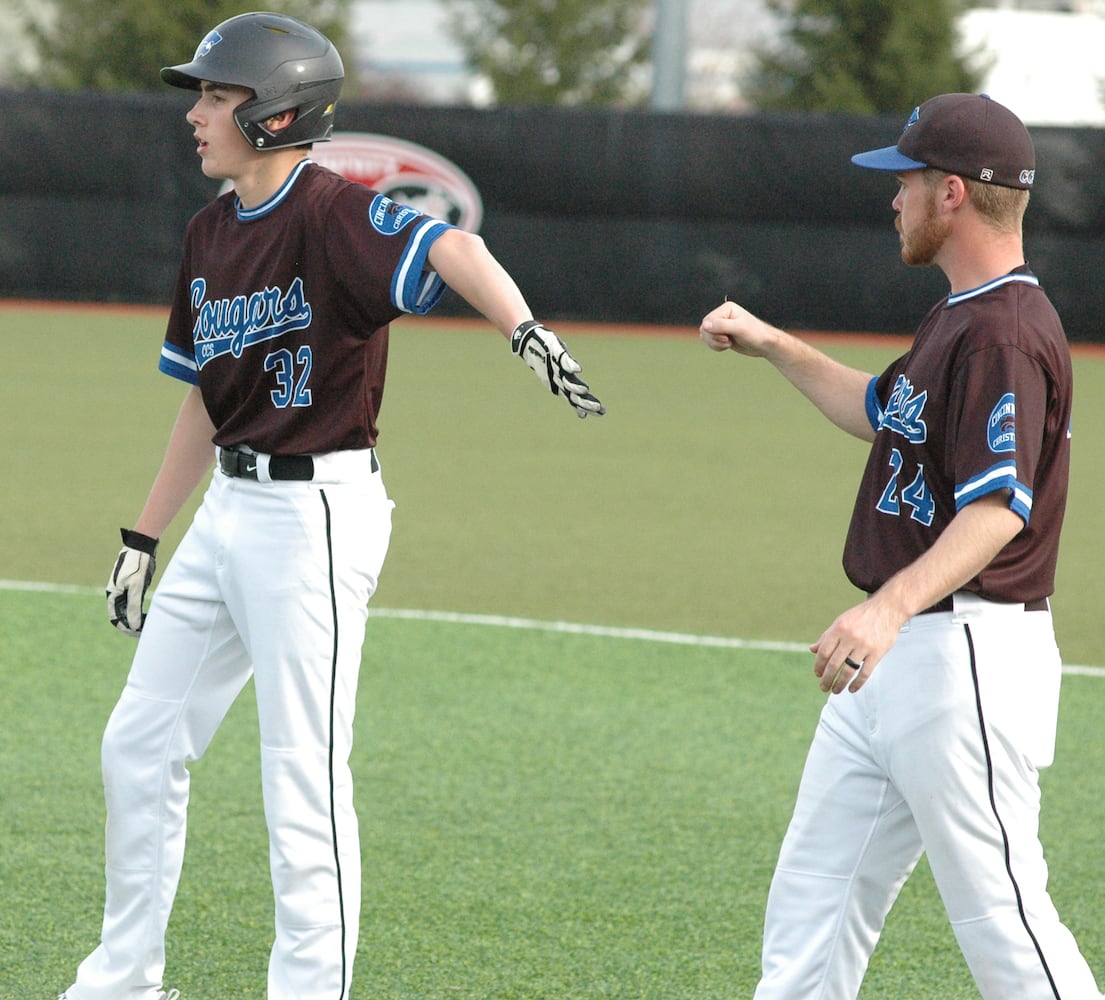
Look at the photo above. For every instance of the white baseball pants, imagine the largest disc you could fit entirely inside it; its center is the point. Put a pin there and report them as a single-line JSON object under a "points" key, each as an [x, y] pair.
{"points": [[272, 580], [937, 753]]}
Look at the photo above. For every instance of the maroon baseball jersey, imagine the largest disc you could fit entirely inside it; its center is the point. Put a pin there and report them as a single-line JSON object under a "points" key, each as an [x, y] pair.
{"points": [[281, 312], [981, 403]]}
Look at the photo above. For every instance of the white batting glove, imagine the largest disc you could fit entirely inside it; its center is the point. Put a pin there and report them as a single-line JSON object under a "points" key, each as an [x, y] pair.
{"points": [[558, 371], [129, 581]]}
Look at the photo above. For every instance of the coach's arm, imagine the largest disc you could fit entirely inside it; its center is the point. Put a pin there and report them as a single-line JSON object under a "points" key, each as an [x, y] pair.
{"points": [[838, 391]]}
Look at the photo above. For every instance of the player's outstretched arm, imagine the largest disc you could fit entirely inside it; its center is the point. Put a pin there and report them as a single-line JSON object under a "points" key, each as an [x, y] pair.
{"points": [[838, 391], [468, 267]]}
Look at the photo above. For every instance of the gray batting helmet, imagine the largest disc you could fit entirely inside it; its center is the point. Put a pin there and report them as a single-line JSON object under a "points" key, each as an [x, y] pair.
{"points": [[286, 63]]}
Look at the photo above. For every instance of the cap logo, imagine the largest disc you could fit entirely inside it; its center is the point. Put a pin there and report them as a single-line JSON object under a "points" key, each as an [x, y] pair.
{"points": [[913, 119], [212, 39], [1027, 176], [986, 175]]}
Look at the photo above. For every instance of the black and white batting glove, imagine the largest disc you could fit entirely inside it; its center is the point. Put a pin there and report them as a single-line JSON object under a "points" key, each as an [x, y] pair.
{"points": [[129, 581], [558, 371]]}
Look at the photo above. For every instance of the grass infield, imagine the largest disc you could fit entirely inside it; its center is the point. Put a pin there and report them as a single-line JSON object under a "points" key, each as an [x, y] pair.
{"points": [[544, 814]]}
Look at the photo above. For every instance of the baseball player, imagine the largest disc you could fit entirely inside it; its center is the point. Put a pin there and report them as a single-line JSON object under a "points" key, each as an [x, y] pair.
{"points": [[945, 679], [279, 329]]}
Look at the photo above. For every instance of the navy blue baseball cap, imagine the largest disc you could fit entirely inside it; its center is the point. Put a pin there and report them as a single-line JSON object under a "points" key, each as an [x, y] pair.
{"points": [[966, 134]]}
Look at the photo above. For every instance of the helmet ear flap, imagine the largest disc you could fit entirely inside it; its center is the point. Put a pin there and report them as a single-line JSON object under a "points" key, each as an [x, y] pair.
{"points": [[314, 117], [261, 134]]}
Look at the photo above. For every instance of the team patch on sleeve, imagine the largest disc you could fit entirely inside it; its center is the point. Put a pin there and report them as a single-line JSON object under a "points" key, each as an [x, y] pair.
{"points": [[1001, 428], [389, 217]]}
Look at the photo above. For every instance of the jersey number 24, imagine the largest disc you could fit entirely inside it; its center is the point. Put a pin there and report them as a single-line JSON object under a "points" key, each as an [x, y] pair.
{"points": [[915, 496]]}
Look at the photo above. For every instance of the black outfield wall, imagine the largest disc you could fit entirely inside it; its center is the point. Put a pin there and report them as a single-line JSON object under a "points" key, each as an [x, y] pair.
{"points": [[606, 216]]}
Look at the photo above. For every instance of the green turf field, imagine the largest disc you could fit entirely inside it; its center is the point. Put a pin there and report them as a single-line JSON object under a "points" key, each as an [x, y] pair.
{"points": [[545, 813]]}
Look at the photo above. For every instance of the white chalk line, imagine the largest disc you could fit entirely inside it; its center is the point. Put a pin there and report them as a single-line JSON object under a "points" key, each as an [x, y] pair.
{"points": [[539, 625]]}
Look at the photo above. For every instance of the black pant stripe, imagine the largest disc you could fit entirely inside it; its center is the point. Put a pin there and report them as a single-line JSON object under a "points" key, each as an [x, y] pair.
{"points": [[997, 816], [333, 699]]}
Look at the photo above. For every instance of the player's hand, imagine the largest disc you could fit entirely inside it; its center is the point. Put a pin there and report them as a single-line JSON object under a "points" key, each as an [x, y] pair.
{"points": [[129, 581], [731, 327], [558, 371], [849, 650]]}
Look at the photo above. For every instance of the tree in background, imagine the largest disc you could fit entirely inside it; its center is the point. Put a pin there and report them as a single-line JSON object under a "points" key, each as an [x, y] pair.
{"points": [[565, 52], [862, 56], [121, 44]]}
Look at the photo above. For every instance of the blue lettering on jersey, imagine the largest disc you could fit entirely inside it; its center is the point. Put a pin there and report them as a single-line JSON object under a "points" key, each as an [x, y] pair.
{"points": [[389, 217], [903, 412], [1001, 428], [229, 326]]}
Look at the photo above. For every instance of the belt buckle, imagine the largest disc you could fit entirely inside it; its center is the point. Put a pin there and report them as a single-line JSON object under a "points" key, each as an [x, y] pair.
{"points": [[237, 464]]}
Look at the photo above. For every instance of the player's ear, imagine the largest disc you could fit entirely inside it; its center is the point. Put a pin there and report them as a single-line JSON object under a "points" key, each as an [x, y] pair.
{"points": [[275, 124], [954, 191]]}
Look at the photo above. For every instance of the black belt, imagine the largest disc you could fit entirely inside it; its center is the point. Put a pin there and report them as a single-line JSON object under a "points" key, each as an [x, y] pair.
{"points": [[948, 604], [239, 464], [243, 465]]}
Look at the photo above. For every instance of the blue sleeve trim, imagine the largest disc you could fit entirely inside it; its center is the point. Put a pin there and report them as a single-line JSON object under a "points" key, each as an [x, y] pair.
{"points": [[874, 407], [179, 365], [414, 289], [1002, 476]]}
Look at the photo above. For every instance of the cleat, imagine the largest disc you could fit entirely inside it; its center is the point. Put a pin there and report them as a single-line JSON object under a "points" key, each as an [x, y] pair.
{"points": [[170, 995]]}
